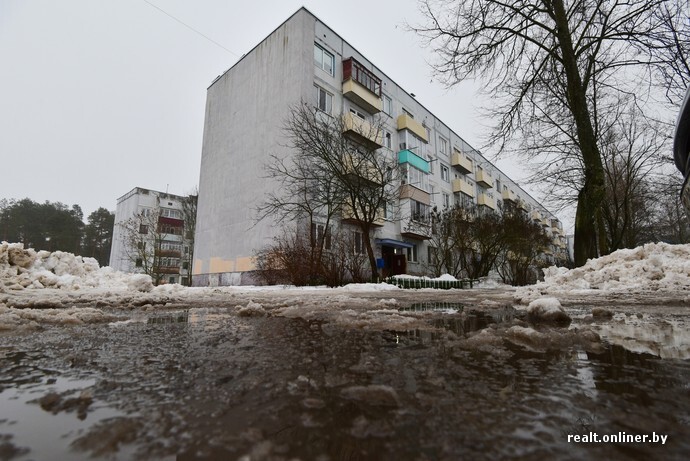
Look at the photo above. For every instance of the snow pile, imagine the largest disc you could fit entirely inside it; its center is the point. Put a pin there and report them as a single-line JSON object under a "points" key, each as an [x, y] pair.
{"points": [[547, 310], [11, 318], [28, 269], [651, 267]]}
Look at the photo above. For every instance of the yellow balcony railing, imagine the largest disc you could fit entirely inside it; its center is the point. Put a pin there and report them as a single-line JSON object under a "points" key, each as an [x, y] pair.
{"points": [[509, 196], [460, 185], [405, 122], [486, 200], [357, 93], [461, 163], [484, 179], [362, 131]]}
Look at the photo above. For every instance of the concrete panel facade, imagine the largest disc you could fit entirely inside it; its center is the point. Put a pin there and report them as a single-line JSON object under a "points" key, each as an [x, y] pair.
{"points": [[245, 111]]}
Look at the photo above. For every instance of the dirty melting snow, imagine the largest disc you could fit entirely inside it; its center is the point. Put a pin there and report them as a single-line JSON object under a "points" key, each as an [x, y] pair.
{"points": [[30, 269], [648, 268]]}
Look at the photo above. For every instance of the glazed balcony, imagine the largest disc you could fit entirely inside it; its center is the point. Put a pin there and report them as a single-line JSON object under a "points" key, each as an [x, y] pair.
{"points": [[461, 163], [362, 131], [362, 86], [405, 122], [484, 179], [460, 185], [487, 200], [417, 226]]}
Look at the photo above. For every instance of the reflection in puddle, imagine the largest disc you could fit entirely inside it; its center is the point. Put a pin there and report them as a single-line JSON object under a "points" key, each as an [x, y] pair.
{"points": [[180, 317], [212, 385], [665, 338], [449, 307]]}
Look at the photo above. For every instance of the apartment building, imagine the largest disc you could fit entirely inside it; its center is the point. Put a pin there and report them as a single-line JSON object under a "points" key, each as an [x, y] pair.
{"points": [[304, 60], [149, 236]]}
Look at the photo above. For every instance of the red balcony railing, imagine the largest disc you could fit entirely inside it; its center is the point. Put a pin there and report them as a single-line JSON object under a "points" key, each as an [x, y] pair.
{"points": [[356, 71]]}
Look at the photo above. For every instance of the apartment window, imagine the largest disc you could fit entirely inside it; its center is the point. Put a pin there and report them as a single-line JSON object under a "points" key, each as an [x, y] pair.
{"points": [[324, 100], [389, 210], [407, 112], [357, 113], [358, 238], [143, 229], [411, 142], [416, 177], [387, 105], [319, 234], [446, 200], [185, 265], [419, 211], [466, 201], [139, 262], [171, 280], [445, 173], [168, 213], [387, 139], [145, 212], [443, 145], [324, 60], [412, 254]]}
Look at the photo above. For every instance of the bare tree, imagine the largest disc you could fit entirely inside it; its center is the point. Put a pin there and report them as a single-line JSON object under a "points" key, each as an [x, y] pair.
{"points": [[553, 67], [334, 171], [143, 243]]}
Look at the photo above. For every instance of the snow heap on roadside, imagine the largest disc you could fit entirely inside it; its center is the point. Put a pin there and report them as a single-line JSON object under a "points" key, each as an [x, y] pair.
{"points": [[648, 268], [29, 269]]}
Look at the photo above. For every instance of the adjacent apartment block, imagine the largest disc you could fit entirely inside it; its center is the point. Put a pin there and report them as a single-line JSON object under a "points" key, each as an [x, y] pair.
{"points": [[304, 60], [149, 236]]}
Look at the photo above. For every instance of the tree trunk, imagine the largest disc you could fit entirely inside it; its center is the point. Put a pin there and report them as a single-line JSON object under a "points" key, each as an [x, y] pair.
{"points": [[591, 196]]}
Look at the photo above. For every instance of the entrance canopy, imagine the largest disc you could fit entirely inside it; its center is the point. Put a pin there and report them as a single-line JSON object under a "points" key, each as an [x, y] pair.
{"points": [[393, 243]]}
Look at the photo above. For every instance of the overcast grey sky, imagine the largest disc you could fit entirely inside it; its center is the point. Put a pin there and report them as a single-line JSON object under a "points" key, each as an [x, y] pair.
{"points": [[97, 97]]}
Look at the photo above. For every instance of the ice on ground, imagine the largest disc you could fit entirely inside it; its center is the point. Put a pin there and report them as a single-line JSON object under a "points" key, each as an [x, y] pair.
{"points": [[30, 269], [648, 268]]}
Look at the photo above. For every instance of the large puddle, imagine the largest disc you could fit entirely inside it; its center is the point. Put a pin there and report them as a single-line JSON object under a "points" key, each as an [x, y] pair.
{"points": [[207, 384]]}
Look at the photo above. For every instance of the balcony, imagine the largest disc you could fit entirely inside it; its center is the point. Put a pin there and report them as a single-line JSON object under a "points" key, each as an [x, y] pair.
{"points": [[484, 179], [169, 253], [460, 185], [407, 156], [361, 168], [536, 216], [408, 191], [348, 216], [417, 226], [522, 205], [361, 86], [486, 200], [168, 269], [460, 162], [405, 122], [362, 131], [509, 196]]}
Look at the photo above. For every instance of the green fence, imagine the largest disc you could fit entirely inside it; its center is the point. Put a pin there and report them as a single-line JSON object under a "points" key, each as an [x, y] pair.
{"points": [[426, 283]]}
